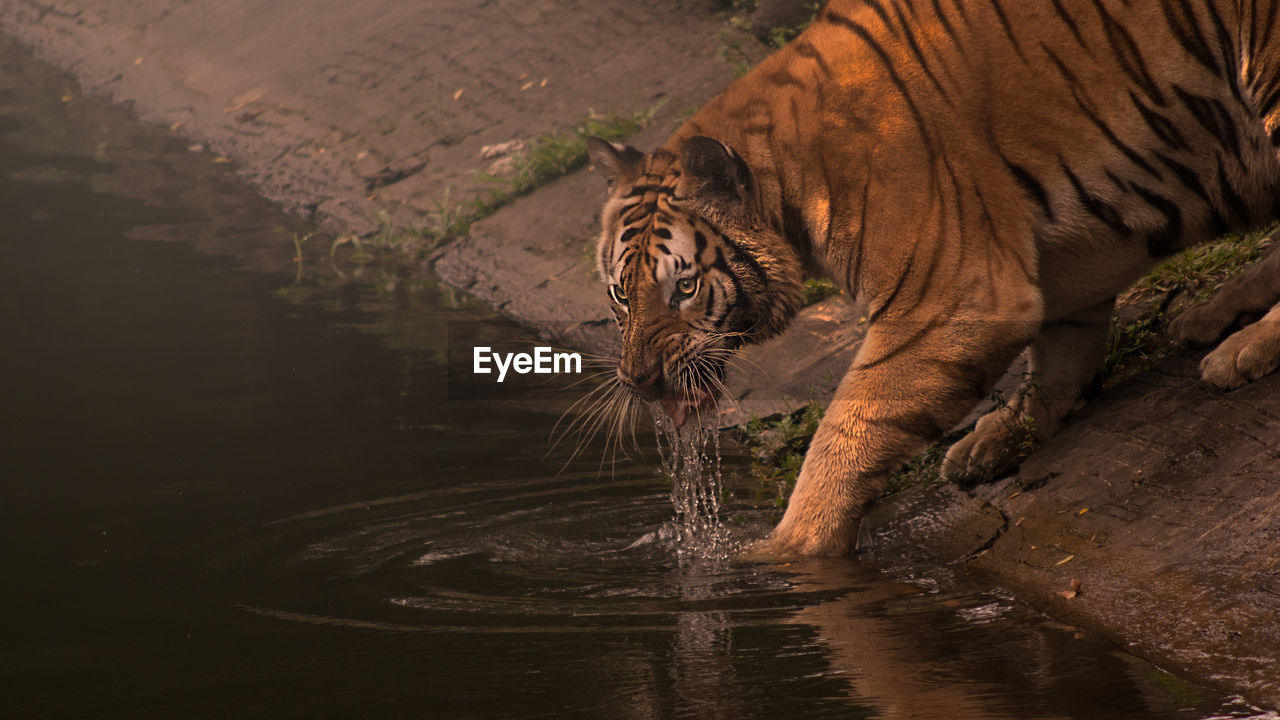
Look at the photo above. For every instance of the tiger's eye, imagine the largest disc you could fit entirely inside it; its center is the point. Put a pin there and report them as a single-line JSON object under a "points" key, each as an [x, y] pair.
{"points": [[687, 286], [618, 294]]}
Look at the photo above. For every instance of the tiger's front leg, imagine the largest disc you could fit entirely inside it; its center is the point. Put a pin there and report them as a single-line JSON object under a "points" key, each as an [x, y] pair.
{"points": [[910, 382]]}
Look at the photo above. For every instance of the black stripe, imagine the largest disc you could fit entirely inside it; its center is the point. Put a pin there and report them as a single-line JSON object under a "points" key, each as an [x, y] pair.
{"points": [[805, 49], [1008, 30], [1096, 206], [1030, 185], [1269, 100], [1128, 152], [855, 276], [1253, 38], [946, 24], [1070, 23], [639, 212], [1118, 144], [1165, 240], [628, 234], [783, 77], [893, 74], [1186, 31], [913, 339], [915, 50], [1186, 176], [959, 5], [1227, 48], [897, 287], [638, 190], [662, 232], [794, 229], [1028, 272], [1213, 117], [1270, 23], [1126, 51], [725, 271], [955, 187], [742, 257], [662, 248], [884, 16], [938, 244], [738, 254], [1239, 208], [1062, 68], [1163, 127]]}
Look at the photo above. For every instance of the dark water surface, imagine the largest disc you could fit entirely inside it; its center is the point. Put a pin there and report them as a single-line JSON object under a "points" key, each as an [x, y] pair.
{"points": [[229, 492]]}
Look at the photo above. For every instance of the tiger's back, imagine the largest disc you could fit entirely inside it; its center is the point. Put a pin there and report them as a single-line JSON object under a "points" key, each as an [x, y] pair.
{"points": [[985, 176], [1094, 124]]}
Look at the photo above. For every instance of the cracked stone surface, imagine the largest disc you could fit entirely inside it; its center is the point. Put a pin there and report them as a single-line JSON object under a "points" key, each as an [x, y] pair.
{"points": [[1161, 498], [338, 109]]}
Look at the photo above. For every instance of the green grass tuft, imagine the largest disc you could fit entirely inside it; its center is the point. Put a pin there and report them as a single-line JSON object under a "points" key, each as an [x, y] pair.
{"points": [[926, 469], [551, 156], [544, 158], [816, 290], [1133, 347], [1140, 342], [1197, 270], [778, 447]]}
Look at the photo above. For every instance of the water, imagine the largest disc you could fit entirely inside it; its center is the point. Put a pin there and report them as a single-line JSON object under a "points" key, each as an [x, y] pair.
{"points": [[233, 486], [691, 461]]}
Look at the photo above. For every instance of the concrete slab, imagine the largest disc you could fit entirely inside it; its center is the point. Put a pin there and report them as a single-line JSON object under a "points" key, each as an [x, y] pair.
{"points": [[339, 109]]}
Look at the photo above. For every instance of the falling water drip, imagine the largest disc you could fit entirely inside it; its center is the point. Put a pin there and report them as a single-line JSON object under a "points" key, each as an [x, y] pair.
{"points": [[691, 458]]}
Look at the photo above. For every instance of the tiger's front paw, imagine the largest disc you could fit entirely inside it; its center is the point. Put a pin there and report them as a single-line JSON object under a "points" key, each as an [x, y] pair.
{"points": [[1000, 440], [766, 551], [1244, 357]]}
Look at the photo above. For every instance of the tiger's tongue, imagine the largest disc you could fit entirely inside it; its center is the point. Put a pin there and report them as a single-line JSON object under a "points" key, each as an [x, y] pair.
{"points": [[678, 406]]}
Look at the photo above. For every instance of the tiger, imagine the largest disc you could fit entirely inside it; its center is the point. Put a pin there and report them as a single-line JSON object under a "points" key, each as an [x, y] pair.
{"points": [[984, 177]]}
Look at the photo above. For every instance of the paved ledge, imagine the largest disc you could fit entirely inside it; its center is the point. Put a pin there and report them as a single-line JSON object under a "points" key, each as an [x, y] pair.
{"points": [[1161, 498]]}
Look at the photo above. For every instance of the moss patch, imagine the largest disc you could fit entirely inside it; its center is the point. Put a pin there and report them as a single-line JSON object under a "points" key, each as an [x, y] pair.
{"points": [[777, 447]]}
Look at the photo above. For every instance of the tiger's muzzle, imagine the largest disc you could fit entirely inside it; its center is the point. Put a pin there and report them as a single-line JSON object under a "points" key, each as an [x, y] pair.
{"points": [[683, 389]]}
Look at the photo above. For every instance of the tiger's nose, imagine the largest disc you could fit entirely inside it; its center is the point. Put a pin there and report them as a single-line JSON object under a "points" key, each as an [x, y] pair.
{"points": [[648, 383]]}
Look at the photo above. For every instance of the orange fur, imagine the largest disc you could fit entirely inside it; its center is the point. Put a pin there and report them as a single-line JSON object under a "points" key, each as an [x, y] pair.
{"points": [[984, 175]]}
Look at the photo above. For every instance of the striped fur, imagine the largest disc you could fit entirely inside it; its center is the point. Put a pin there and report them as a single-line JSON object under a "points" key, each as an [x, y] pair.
{"points": [[986, 175]]}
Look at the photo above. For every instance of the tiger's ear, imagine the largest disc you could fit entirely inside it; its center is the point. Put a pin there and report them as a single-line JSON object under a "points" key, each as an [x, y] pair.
{"points": [[619, 164], [712, 170]]}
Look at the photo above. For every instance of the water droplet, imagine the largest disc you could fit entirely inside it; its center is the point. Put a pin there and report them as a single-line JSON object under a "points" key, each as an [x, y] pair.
{"points": [[691, 459]]}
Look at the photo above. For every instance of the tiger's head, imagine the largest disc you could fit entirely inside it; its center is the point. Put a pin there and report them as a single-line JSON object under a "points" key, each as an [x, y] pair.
{"points": [[694, 267]]}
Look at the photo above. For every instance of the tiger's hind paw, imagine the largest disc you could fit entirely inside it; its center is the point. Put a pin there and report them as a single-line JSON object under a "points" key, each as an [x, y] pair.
{"points": [[998, 443], [1245, 356], [1204, 323]]}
